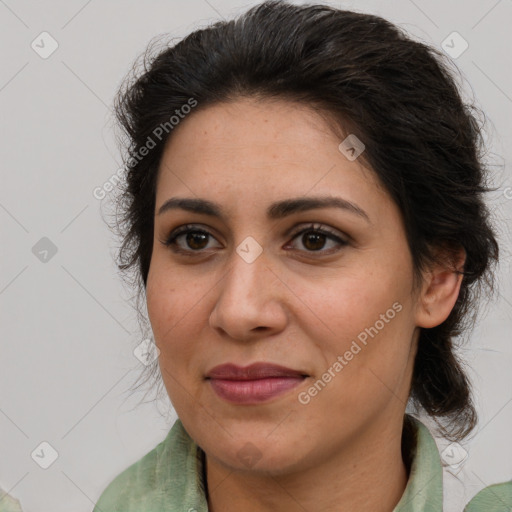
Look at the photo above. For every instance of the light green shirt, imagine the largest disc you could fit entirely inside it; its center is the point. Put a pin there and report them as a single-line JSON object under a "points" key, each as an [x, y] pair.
{"points": [[170, 479]]}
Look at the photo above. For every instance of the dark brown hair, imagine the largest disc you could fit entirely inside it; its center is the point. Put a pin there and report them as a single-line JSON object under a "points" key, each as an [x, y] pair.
{"points": [[397, 95]]}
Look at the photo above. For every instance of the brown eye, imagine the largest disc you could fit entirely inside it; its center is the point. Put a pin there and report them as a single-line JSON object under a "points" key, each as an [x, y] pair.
{"points": [[188, 239], [314, 239], [193, 241], [196, 239]]}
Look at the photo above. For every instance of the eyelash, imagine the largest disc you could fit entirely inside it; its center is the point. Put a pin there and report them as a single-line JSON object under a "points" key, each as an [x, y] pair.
{"points": [[190, 228]]}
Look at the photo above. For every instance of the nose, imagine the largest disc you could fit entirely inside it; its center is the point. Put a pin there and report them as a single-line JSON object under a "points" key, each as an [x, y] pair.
{"points": [[251, 300]]}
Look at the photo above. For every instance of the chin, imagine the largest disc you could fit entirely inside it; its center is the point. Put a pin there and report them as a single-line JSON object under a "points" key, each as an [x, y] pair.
{"points": [[264, 463], [259, 455]]}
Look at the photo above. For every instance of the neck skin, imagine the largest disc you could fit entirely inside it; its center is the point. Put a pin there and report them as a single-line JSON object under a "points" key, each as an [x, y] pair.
{"points": [[369, 474]]}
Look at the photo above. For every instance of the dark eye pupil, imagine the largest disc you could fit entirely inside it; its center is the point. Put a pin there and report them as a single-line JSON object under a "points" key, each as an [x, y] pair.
{"points": [[195, 236], [317, 241]]}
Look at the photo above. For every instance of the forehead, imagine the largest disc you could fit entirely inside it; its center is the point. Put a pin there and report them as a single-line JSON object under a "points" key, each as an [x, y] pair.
{"points": [[261, 150], [283, 127]]}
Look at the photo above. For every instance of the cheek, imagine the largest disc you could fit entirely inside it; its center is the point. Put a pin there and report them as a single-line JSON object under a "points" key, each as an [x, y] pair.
{"points": [[176, 304], [364, 358], [349, 305], [169, 295], [167, 308], [364, 317], [171, 313]]}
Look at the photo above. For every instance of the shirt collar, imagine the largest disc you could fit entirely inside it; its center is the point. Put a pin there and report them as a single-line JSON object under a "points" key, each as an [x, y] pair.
{"points": [[424, 490]]}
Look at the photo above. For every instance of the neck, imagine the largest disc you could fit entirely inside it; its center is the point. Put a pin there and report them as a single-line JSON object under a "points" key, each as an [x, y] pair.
{"points": [[367, 474]]}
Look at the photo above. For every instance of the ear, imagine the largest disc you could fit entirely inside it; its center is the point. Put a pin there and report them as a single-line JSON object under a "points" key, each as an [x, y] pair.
{"points": [[440, 289]]}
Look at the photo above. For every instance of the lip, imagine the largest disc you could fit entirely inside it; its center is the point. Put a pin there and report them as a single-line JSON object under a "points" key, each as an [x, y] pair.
{"points": [[253, 384]]}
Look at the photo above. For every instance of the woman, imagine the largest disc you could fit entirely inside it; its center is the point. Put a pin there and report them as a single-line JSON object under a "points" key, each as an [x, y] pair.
{"points": [[304, 213]]}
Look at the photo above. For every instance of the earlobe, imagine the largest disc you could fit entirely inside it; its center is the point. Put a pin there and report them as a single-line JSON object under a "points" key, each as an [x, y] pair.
{"points": [[440, 291]]}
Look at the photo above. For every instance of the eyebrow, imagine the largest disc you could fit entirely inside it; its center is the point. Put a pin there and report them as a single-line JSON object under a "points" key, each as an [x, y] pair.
{"points": [[276, 210]]}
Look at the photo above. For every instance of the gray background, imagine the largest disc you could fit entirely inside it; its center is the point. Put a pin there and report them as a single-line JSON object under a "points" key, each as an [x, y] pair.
{"points": [[67, 330]]}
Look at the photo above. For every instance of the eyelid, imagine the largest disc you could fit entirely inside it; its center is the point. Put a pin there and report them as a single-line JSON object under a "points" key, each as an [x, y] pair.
{"points": [[184, 229], [317, 226], [339, 237]]}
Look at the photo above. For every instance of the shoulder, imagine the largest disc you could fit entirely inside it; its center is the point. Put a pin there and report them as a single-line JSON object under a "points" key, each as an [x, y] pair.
{"points": [[8, 503], [166, 475], [495, 498], [134, 485]]}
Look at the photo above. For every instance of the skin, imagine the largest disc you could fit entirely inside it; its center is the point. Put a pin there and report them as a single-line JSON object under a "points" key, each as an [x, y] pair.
{"points": [[293, 305]]}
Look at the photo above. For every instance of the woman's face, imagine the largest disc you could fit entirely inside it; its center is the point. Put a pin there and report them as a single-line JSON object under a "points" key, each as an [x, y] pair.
{"points": [[333, 304]]}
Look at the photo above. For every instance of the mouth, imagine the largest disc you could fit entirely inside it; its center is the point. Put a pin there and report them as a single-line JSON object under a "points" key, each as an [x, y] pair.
{"points": [[253, 384]]}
